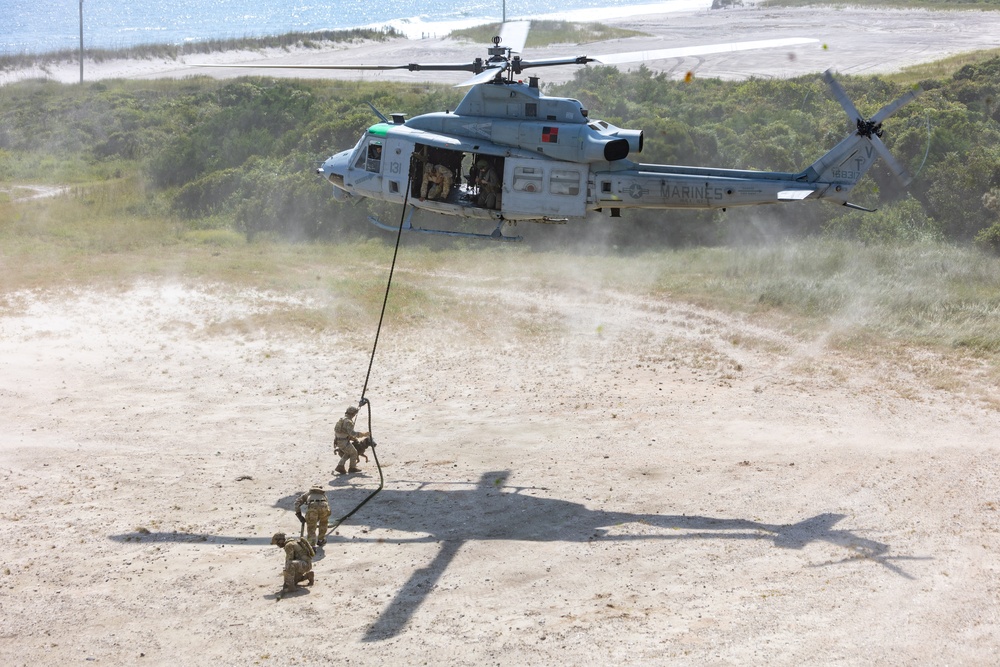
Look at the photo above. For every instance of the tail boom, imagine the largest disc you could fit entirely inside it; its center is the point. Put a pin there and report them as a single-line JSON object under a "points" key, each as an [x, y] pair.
{"points": [[831, 177]]}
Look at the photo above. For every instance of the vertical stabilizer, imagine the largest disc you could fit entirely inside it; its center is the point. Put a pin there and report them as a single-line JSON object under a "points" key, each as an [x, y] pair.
{"points": [[844, 165]]}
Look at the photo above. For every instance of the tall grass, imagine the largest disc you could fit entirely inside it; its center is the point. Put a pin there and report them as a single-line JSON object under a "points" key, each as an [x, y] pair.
{"points": [[940, 69], [932, 294], [928, 294]]}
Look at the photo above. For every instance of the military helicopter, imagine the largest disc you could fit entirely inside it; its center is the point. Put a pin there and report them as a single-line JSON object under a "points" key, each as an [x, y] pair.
{"points": [[510, 153]]}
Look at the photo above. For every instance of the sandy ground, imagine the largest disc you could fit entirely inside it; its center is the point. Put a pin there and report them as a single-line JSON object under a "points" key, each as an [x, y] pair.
{"points": [[646, 483], [849, 40]]}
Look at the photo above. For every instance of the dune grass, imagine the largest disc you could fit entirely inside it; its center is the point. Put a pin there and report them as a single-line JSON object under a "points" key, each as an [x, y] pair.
{"points": [[544, 33], [933, 296], [940, 69], [308, 40]]}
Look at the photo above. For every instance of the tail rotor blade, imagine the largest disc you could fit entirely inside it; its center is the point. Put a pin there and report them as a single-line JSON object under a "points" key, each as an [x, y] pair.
{"points": [[891, 108], [840, 95], [894, 166]]}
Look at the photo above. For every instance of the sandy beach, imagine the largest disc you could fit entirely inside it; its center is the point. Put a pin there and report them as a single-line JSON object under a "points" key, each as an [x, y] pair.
{"points": [[848, 40]]}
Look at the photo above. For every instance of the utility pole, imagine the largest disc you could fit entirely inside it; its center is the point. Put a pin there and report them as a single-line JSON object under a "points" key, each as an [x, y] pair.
{"points": [[81, 41]]}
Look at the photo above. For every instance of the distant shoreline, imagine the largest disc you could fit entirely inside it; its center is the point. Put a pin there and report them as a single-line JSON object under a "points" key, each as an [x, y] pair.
{"points": [[877, 41], [415, 27]]}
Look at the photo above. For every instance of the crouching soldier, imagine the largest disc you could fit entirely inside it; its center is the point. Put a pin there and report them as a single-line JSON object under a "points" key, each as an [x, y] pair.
{"points": [[436, 183], [298, 561], [317, 513]]}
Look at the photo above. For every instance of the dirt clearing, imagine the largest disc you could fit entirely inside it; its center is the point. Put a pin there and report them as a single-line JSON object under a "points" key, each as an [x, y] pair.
{"points": [[634, 480]]}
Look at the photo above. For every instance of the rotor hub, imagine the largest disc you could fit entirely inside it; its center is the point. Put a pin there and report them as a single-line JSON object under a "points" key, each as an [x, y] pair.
{"points": [[867, 128]]}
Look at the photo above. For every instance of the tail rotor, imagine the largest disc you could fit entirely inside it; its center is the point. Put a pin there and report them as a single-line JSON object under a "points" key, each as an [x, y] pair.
{"points": [[871, 128]]}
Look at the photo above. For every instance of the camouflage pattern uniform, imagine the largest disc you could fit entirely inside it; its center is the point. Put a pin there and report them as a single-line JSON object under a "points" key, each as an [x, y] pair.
{"points": [[489, 186], [298, 560], [317, 513], [343, 441], [437, 182]]}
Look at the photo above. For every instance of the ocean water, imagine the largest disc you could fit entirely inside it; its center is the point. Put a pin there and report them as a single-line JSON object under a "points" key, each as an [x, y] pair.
{"points": [[38, 26]]}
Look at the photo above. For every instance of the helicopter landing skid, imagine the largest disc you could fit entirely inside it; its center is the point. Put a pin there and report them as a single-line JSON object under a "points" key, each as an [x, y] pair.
{"points": [[496, 235]]}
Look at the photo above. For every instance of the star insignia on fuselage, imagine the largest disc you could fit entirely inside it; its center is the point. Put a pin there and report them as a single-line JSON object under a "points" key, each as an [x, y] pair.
{"points": [[635, 190]]}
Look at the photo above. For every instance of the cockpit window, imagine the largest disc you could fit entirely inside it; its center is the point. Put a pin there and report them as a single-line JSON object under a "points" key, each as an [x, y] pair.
{"points": [[374, 160], [369, 157]]}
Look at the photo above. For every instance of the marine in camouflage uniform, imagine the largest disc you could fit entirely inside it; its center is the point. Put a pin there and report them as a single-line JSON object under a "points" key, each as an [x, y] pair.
{"points": [[436, 183], [317, 513], [298, 560], [344, 436], [489, 185]]}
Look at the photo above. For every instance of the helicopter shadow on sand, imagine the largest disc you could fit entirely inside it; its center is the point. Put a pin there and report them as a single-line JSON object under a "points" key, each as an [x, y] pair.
{"points": [[494, 511]]}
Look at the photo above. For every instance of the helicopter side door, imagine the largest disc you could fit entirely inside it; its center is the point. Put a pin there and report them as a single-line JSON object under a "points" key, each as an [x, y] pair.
{"points": [[544, 188]]}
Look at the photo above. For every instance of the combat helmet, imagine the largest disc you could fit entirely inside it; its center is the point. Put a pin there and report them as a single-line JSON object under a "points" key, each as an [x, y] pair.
{"points": [[352, 410], [277, 537], [317, 487]]}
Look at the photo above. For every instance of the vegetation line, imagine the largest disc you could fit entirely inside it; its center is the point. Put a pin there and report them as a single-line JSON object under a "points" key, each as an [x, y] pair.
{"points": [[308, 40]]}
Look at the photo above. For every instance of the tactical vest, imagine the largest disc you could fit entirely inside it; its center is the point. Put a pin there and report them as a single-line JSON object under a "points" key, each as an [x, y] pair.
{"points": [[303, 548], [343, 431]]}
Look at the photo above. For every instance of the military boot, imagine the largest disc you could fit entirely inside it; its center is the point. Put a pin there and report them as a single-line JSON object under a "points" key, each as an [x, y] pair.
{"points": [[340, 469], [310, 577]]}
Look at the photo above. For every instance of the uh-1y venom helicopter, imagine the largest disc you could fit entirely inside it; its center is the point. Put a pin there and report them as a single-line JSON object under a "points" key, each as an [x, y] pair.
{"points": [[543, 159]]}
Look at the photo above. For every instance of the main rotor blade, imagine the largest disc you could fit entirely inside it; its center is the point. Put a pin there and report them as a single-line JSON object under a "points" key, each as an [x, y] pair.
{"points": [[483, 77], [549, 62], [413, 67], [514, 34], [685, 51], [892, 107], [840, 95]]}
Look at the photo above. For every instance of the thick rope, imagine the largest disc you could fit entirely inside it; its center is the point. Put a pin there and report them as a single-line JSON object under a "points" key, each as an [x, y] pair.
{"points": [[364, 401]]}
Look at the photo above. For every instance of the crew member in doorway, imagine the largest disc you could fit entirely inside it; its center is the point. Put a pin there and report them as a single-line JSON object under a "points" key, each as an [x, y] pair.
{"points": [[437, 182], [489, 185]]}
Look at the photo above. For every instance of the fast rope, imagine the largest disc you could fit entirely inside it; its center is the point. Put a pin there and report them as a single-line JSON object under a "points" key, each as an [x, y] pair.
{"points": [[364, 402]]}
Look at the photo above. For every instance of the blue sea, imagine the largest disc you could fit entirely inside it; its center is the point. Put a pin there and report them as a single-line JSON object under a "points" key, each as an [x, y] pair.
{"points": [[39, 26]]}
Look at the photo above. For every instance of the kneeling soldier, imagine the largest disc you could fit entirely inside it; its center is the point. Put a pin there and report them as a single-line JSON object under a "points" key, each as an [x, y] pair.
{"points": [[298, 560]]}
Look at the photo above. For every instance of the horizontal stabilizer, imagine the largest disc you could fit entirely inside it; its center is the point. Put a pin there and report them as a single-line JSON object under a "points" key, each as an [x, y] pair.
{"points": [[793, 195]]}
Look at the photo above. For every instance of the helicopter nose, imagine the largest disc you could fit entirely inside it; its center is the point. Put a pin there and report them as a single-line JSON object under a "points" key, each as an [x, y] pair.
{"points": [[334, 169]]}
